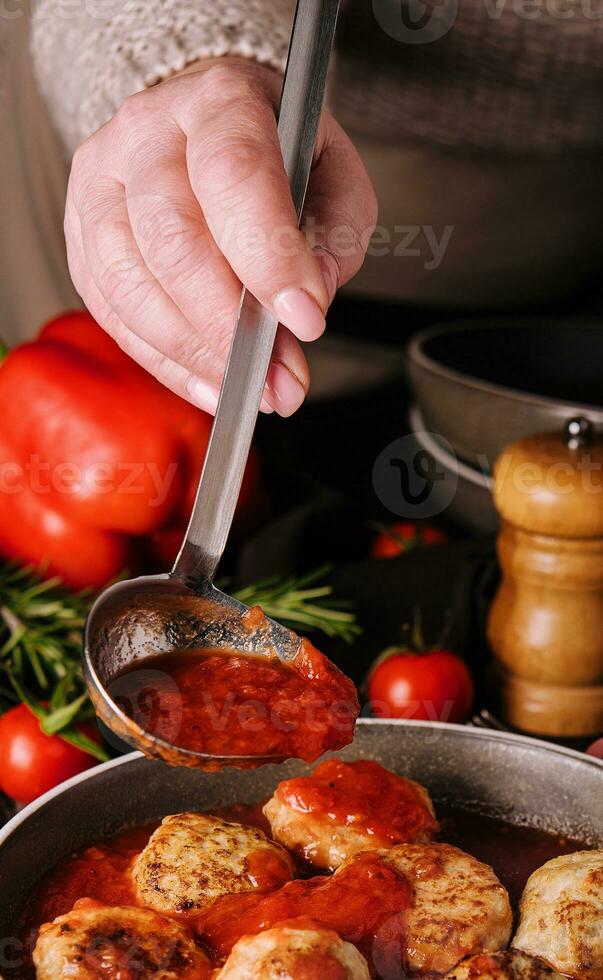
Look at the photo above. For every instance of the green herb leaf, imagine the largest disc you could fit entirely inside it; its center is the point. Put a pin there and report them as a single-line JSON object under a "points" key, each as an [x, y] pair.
{"points": [[40, 649], [302, 604], [84, 743], [61, 717]]}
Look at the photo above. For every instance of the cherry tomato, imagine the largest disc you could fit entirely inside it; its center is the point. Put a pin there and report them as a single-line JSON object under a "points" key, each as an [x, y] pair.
{"points": [[404, 536], [596, 749], [32, 762], [434, 685]]}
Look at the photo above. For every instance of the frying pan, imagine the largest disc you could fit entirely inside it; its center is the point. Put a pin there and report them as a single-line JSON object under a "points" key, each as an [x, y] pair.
{"points": [[517, 779], [485, 384]]}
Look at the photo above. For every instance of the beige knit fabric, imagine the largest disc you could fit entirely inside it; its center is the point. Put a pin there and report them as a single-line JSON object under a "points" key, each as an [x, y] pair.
{"points": [[512, 75], [90, 55]]}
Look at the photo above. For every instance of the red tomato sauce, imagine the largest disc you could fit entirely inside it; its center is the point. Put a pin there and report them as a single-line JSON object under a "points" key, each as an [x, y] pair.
{"points": [[228, 704], [100, 872], [358, 905], [364, 903], [365, 796]]}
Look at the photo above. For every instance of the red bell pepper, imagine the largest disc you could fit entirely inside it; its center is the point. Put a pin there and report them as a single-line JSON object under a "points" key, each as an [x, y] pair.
{"points": [[96, 456]]}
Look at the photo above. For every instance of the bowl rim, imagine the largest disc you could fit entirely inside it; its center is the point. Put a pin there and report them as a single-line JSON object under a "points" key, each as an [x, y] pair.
{"points": [[487, 734], [415, 354], [428, 440]]}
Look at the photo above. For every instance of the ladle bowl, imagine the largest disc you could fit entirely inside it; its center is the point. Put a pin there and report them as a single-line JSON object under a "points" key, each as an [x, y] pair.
{"points": [[143, 617]]}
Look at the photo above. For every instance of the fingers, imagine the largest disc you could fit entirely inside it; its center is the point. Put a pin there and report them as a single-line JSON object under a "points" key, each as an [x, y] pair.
{"points": [[174, 376], [182, 197], [288, 377], [284, 391], [341, 208], [177, 247], [237, 175]]}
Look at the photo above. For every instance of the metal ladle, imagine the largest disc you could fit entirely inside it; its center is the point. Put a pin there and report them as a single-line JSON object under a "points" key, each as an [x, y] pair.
{"points": [[156, 614]]}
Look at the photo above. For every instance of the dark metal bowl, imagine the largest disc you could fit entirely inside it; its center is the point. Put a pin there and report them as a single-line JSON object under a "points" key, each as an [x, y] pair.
{"points": [[483, 385], [517, 779], [471, 505]]}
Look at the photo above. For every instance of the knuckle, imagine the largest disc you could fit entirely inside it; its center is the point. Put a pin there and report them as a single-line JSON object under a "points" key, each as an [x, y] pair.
{"points": [[132, 112], [227, 84], [94, 196], [234, 158], [84, 188], [206, 358], [359, 239], [347, 243], [82, 158], [173, 250], [197, 358], [121, 280], [171, 236]]}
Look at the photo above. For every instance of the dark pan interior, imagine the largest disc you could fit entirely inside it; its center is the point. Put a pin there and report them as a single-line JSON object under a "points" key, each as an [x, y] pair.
{"points": [[516, 779], [559, 361]]}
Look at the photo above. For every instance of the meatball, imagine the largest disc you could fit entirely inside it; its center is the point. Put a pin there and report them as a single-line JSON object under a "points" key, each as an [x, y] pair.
{"points": [[561, 914], [414, 909], [512, 965], [346, 807], [295, 950], [95, 940], [459, 906], [193, 859]]}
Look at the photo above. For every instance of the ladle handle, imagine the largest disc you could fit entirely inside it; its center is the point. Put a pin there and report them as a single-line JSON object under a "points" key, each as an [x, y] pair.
{"points": [[253, 339]]}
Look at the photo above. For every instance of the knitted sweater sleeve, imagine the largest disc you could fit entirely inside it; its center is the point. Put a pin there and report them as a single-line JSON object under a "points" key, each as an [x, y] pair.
{"points": [[91, 55]]}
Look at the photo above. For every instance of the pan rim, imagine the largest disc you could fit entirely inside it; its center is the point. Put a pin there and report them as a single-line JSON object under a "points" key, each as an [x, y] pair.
{"points": [[558, 406], [467, 730]]}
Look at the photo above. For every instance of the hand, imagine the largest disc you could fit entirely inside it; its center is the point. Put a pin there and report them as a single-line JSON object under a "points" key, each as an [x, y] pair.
{"points": [[182, 197]]}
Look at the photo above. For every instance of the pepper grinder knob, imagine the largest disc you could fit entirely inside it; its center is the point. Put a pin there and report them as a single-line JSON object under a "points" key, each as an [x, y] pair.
{"points": [[579, 432]]}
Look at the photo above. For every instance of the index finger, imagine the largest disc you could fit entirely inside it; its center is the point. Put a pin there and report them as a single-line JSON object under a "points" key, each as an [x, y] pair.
{"points": [[237, 174]]}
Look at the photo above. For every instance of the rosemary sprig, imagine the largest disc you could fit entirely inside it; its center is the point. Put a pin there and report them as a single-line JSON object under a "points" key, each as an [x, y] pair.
{"points": [[40, 653], [302, 604], [41, 639]]}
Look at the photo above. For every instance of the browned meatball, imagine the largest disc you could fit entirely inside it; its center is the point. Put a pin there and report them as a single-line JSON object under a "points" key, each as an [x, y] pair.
{"points": [[561, 914], [116, 943], [192, 859], [459, 906], [295, 950], [343, 808]]}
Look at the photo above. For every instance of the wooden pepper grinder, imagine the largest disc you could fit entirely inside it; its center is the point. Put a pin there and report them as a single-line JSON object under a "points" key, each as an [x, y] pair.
{"points": [[546, 623]]}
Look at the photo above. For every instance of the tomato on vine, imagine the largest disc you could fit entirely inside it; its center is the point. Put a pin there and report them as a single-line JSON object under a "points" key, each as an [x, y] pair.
{"points": [[417, 682]]}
